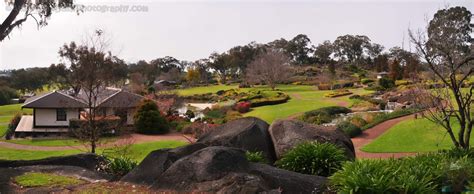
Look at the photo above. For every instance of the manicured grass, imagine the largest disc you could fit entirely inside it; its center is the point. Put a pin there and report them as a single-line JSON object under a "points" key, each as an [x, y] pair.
{"points": [[205, 89], [13, 154], [7, 112], [56, 142], [12, 109], [303, 98], [3, 130], [35, 179], [414, 135], [46, 142], [136, 152]]}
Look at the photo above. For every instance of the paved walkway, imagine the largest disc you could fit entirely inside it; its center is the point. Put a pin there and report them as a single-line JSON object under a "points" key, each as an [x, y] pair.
{"points": [[371, 134], [131, 139]]}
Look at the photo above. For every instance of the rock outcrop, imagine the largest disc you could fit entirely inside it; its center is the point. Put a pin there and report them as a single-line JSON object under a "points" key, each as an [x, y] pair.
{"points": [[157, 162], [248, 133], [217, 162], [286, 134], [219, 169]]}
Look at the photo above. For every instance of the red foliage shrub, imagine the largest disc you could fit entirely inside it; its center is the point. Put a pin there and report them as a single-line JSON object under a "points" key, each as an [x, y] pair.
{"points": [[243, 107]]}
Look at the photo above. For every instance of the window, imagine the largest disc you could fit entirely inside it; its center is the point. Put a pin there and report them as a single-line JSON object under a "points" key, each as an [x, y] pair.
{"points": [[61, 115]]}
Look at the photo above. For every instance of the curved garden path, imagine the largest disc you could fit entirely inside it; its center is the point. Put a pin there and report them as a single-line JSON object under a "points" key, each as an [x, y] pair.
{"points": [[371, 134], [131, 139]]}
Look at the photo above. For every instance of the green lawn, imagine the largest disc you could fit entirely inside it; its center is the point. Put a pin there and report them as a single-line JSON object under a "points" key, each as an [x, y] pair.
{"points": [[136, 151], [205, 89], [7, 112], [414, 135], [303, 98], [35, 179], [46, 142]]}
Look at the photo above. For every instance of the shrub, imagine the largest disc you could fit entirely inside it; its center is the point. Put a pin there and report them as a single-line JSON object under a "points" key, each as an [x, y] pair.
{"points": [[190, 114], [349, 129], [118, 166], [384, 117], [358, 121], [324, 115], [313, 158], [324, 87], [6, 94], [12, 126], [366, 81], [428, 173], [256, 157], [243, 107], [402, 82], [148, 119], [338, 93], [386, 83]]}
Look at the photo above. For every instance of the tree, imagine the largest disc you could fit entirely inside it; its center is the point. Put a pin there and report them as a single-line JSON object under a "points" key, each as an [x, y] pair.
{"points": [[270, 68], [449, 54], [30, 79], [381, 63], [299, 48], [40, 11], [351, 48], [323, 52], [221, 63], [241, 56], [396, 71], [91, 70], [193, 76], [148, 119]]}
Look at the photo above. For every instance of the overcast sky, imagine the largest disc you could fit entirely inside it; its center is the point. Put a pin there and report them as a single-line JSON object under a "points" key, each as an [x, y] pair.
{"points": [[191, 30]]}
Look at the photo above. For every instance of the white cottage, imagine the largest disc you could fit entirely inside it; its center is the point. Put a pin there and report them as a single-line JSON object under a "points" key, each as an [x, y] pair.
{"points": [[53, 111]]}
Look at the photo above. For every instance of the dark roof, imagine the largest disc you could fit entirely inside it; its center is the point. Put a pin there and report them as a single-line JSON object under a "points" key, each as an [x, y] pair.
{"points": [[122, 99], [103, 94], [107, 97], [53, 100]]}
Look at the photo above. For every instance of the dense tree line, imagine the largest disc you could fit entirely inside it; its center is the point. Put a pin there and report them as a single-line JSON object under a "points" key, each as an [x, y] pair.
{"points": [[356, 51]]}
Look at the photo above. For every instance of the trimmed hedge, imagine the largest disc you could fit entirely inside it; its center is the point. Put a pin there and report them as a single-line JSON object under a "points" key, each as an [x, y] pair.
{"points": [[338, 93]]}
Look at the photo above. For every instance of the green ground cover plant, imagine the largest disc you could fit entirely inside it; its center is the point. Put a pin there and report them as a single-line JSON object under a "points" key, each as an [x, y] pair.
{"points": [[322, 159], [426, 173], [256, 157]]}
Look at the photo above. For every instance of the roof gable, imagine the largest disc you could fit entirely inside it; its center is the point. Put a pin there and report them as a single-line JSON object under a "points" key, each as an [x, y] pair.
{"points": [[53, 100], [122, 99]]}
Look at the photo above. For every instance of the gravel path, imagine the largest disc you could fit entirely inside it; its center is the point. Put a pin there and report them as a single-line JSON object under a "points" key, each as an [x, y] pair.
{"points": [[132, 139], [371, 134]]}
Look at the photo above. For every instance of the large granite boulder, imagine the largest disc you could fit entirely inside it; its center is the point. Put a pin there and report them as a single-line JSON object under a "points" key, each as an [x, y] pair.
{"points": [[286, 134], [157, 162], [226, 170], [87, 161], [247, 133]]}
